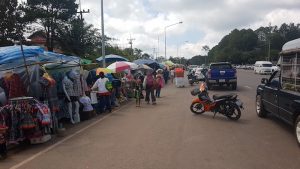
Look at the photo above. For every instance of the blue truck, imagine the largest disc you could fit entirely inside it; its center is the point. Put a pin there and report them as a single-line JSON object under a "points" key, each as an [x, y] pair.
{"points": [[221, 73]]}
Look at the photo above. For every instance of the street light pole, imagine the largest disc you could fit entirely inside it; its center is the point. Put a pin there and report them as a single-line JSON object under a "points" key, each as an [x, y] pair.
{"points": [[103, 36], [166, 36]]}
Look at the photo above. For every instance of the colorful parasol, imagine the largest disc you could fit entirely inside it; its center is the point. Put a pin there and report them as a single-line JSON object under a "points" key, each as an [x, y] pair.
{"points": [[121, 66], [104, 70], [169, 63]]}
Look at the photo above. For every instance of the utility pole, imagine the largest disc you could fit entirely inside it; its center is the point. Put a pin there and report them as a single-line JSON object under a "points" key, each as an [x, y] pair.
{"points": [[130, 42], [154, 53], [157, 47], [81, 12], [103, 36]]}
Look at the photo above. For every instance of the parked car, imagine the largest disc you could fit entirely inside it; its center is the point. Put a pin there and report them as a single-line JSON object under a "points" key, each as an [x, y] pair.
{"points": [[280, 94], [275, 68], [263, 67], [221, 73]]}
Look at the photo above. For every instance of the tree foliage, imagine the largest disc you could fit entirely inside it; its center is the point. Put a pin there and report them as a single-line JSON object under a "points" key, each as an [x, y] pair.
{"points": [[79, 38], [247, 46], [10, 23], [51, 14]]}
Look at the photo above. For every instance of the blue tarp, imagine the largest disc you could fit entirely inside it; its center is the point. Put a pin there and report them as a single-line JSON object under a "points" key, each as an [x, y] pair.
{"points": [[11, 53], [11, 56]]}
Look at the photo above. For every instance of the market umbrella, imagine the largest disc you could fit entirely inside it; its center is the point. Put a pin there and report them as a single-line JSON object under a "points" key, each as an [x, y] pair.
{"points": [[144, 61], [151, 63], [162, 66], [159, 71], [121, 66], [104, 70], [112, 58], [145, 67], [169, 63]]}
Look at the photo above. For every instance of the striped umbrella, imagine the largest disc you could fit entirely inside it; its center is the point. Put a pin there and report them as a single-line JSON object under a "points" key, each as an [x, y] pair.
{"points": [[104, 70], [118, 67]]}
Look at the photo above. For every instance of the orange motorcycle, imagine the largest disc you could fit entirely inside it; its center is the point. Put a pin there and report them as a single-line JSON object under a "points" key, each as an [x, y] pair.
{"points": [[228, 105]]}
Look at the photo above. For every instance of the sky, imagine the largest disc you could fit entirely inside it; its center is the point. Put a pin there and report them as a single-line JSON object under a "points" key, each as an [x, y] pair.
{"points": [[205, 22]]}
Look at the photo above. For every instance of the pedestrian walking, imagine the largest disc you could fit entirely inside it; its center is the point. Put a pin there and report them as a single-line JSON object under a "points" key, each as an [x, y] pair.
{"points": [[172, 75], [149, 86], [159, 85], [166, 75]]}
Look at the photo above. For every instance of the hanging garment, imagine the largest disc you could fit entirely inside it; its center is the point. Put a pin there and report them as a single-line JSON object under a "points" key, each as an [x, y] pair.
{"points": [[14, 86], [69, 86], [77, 87], [43, 115]]}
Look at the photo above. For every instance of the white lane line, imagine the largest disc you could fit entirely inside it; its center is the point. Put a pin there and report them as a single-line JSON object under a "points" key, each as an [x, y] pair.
{"points": [[62, 141], [248, 87]]}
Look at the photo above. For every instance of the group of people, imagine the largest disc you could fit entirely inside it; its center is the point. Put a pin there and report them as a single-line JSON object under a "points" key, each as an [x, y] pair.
{"points": [[136, 83]]}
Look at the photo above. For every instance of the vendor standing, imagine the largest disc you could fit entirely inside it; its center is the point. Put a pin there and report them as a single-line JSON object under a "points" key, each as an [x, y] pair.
{"points": [[103, 94]]}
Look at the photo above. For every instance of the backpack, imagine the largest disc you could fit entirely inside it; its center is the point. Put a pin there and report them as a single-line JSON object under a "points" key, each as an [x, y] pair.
{"points": [[109, 86], [149, 81]]}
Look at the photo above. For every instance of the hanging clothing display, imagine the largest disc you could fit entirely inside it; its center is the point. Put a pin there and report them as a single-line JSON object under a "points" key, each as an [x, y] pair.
{"points": [[13, 86], [25, 119]]}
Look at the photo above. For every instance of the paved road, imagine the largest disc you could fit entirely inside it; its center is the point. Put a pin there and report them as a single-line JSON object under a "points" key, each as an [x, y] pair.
{"points": [[169, 136]]}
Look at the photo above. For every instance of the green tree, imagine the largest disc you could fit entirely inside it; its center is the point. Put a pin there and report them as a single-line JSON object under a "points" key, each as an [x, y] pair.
{"points": [[10, 23], [79, 38], [51, 14]]}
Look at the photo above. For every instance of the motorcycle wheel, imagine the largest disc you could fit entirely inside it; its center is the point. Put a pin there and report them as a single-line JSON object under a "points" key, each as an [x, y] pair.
{"points": [[197, 108], [236, 112]]}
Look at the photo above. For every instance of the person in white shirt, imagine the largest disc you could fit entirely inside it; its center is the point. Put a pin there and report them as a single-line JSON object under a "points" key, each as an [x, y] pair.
{"points": [[88, 110], [103, 94], [172, 72]]}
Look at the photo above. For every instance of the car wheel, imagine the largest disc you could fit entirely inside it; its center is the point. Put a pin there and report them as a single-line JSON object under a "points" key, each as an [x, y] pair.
{"points": [[297, 130], [260, 110]]}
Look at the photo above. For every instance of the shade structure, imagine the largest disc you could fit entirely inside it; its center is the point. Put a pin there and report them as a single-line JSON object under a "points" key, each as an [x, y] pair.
{"points": [[112, 58], [104, 70], [144, 67], [152, 63], [144, 61], [169, 63], [121, 66]]}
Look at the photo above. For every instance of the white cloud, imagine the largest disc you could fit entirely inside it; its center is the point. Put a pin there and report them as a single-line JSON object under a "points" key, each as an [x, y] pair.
{"points": [[145, 20]]}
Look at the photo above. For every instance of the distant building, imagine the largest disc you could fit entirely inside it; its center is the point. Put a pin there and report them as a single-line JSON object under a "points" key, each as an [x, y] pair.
{"points": [[39, 38]]}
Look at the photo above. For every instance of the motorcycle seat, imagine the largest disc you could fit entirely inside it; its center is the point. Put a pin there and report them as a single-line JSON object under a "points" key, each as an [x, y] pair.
{"points": [[227, 96]]}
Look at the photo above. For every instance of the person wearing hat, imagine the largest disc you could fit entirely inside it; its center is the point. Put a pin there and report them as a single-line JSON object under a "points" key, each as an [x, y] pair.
{"points": [[103, 93]]}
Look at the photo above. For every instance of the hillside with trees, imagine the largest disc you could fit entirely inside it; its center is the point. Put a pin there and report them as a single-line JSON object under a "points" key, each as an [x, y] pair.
{"points": [[247, 46]]}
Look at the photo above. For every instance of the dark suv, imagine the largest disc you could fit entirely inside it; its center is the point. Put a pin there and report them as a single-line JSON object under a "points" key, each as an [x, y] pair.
{"points": [[280, 94], [221, 73]]}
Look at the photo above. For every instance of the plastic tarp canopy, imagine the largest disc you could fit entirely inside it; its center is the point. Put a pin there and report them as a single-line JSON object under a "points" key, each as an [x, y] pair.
{"points": [[292, 45], [11, 57], [112, 58], [10, 53]]}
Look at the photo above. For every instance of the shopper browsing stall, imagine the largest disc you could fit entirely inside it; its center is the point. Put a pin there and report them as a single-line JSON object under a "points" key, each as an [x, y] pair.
{"points": [[102, 93]]}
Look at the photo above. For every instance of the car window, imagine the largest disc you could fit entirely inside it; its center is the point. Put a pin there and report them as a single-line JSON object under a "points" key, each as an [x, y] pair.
{"points": [[274, 80], [221, 66], [266, 65]]}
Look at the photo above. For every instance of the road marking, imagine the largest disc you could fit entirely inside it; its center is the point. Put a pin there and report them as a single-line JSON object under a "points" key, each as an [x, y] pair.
{"points": [[248, 87], [63, 140]]}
